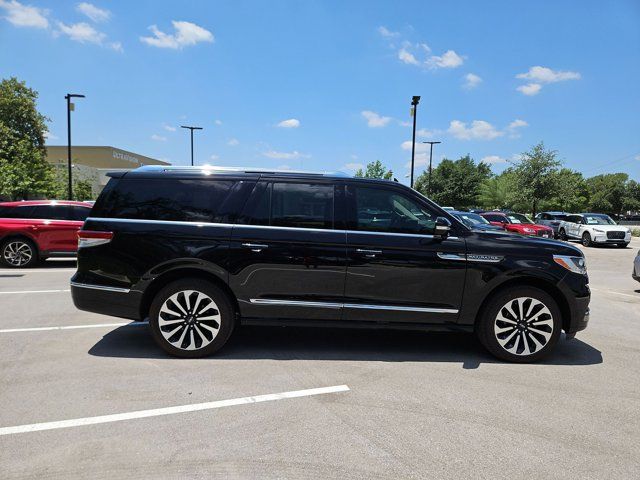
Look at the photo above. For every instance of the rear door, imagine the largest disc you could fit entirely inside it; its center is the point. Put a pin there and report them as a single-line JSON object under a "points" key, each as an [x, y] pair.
{"points": [[56, 227], [287, 257], [398, 271]]}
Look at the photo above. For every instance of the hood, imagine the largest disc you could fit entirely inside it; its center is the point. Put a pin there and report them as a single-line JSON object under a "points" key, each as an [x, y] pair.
{"points": [[529, 243]]}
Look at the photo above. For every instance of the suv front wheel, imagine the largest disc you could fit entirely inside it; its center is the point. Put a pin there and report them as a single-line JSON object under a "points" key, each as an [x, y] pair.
{"points": [[520, 324], [18, 253], [191, 318]]}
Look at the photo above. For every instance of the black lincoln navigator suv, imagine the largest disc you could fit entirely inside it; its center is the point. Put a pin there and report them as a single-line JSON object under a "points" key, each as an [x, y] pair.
{"points": [[198, 250]]}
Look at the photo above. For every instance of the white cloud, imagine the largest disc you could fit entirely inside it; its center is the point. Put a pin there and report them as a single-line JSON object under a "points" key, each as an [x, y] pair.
{"points": [[158, 138], [420, 160], [352, 167], [169, 128], [233, 142], [493, 159], [94, 13], [385, 32], [186, 33], [479, 130], [50, 136], [283, 167], [637, 157], [530, 89], [218, 122], [426, 133], [117, 46], [420, 147], [285, 155], [471, 81], [290, 123], [539, 76], [449, 59], [546, 75], [407, 57], [25, 15], [214, 157], [374, 120], [513, 127], [82, 32]]}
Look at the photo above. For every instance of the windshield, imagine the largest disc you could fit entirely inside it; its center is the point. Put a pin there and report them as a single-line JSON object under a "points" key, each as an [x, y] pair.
{"points": [[559, 217], [598, 220], [518, 218], [472, 219]]}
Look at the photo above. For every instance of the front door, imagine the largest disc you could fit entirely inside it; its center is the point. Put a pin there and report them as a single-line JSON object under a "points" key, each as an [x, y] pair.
{"points": [[287, 258], [398, 270]]}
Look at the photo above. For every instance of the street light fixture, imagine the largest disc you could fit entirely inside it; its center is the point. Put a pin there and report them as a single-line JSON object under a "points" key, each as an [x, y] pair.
{"points": [[70, 107], [191, 129], [430, 159], [414, 112]]}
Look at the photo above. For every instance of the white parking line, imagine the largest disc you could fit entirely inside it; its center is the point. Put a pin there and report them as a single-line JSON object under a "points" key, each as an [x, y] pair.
{"points": [[36, 270], [72, 327], [117, 417], [34, 291], [615, 293]]}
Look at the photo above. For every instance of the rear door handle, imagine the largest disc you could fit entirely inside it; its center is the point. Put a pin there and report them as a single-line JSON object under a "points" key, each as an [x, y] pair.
{"points": [[368, 253], [255, 247]]}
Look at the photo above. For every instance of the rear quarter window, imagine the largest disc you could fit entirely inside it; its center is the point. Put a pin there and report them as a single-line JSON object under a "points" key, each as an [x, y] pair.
{"points": [[189, 200]]}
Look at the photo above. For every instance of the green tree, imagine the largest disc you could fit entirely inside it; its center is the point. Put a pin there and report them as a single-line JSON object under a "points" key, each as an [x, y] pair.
{"points": [[81, 186], [535, 176], [454, 182], [375, 170], [613, 193], [570, 194], [24, 172], [495, 192]]}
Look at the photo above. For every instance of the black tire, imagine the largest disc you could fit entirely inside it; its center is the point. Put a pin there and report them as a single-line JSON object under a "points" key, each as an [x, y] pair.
{"points": [[195, 329], [586, 239], [26, 246], [562, 234], [546, 325]]}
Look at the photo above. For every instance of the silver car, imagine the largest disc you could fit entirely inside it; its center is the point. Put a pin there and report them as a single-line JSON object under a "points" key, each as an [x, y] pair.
{"points": [[636, 267], [551, 219]]}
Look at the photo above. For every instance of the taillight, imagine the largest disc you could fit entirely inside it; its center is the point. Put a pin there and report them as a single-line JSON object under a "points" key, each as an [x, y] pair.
{"points": [[88, 238]]}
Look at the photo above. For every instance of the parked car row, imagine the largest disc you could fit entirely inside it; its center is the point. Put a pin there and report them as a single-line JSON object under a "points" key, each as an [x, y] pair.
{"points": [[588, 228]]}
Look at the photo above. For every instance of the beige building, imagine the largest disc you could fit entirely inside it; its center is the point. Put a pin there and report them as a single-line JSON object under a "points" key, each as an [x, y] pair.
{"points": [[93, 163]]}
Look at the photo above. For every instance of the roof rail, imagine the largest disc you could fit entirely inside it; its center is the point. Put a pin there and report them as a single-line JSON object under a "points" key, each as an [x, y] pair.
{"points": [[214, 168]]}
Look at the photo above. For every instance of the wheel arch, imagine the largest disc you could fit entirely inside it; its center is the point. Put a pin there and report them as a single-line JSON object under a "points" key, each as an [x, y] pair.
{"points": [[529, 281], [176, 274]]}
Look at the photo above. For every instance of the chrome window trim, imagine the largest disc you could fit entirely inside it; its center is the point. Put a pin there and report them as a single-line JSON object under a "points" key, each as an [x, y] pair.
{"points": [[100, 287], [300, 303], [269, 227]]}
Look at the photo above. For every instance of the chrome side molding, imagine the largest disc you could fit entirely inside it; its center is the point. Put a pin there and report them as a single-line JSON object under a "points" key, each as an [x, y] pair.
{"points": [[100, 287], [397, 308]]}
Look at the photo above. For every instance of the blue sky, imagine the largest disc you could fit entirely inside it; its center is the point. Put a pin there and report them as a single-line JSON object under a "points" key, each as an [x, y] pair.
{"points": [[326, 85]]}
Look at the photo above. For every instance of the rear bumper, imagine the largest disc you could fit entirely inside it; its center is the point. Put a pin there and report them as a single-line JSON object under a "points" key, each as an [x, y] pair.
{"points": [[115, 302]]}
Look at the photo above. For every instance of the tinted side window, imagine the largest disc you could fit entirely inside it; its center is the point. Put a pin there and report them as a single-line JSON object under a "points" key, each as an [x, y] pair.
{"points": [[382, 210], [172, 200], [51, 212], [16, 212], [494, 218], [302, 205], [80, 213]]}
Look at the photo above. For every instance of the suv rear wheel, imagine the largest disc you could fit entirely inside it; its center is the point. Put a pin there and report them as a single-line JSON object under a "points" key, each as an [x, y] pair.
{"points": [[520, 324], [562, 235], [18, 253], [586, 239], [191, 318]]}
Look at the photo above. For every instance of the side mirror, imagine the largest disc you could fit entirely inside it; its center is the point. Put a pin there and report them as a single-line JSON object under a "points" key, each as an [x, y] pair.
{"points": [[443, 227]]}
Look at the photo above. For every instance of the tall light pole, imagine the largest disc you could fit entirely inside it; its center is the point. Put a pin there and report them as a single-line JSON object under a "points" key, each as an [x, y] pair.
{"points": [[430, 159], [414, 112], [191, 129], [70, 107]]}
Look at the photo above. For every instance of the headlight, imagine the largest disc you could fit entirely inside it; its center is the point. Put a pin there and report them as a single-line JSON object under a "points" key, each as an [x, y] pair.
{"points": [[598, 230], [573, 264]]}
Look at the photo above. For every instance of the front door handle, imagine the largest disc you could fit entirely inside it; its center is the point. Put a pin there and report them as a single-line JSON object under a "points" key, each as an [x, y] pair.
{"points": [[368, 253], [255, 247]]}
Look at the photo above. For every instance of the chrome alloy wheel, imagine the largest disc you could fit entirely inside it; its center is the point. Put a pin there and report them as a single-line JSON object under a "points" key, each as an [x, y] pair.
{"points": [[17, 253], [189, 320], [523, 326]]}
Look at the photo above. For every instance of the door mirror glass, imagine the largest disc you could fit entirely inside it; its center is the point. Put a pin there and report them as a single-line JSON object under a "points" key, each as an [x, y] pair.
{"points": [[443, 227]]}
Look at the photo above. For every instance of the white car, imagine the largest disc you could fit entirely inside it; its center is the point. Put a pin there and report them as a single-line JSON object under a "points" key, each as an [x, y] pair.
{"points": [[594, 228]]}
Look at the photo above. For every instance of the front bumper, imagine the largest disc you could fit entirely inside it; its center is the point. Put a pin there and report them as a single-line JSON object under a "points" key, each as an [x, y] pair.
{"points": [[602, 238]]}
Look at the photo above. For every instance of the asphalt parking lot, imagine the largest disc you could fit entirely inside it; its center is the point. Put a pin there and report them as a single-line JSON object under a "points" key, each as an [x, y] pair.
{"points": [[390, 404]]}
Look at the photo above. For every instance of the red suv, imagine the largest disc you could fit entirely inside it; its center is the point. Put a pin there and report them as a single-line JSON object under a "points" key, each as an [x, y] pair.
{"points": [[518, 223], [37, 229]]}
